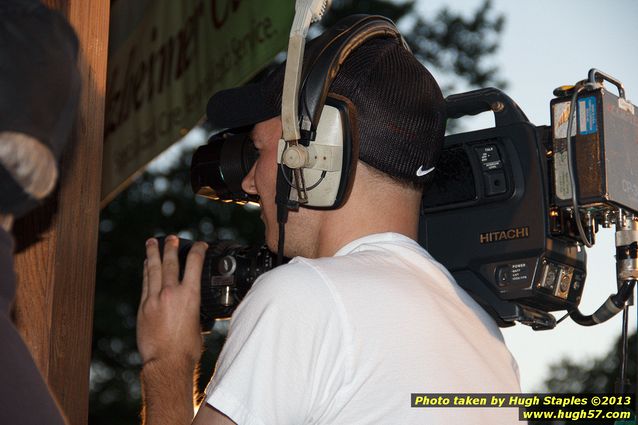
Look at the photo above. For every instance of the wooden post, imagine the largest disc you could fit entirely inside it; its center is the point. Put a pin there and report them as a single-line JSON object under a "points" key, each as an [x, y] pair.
{"points": [[56, 273]]}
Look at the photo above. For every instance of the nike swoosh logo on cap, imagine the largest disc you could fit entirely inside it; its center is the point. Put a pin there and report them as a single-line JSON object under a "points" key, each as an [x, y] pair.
{"points": [[420, 172]]}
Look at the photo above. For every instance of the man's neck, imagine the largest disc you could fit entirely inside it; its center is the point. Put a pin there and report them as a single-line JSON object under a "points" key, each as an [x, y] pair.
{"points": [[359, 219]]}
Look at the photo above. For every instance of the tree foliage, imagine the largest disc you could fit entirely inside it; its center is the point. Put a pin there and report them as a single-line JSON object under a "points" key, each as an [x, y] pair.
{"points": [[162, 203], [597, 376]]}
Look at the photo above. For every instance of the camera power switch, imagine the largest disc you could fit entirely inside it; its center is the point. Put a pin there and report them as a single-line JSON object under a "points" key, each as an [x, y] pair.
{"points": [[503, 276]]}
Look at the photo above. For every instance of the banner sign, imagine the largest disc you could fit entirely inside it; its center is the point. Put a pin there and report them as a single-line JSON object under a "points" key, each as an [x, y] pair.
{"points": [[162, 73]]}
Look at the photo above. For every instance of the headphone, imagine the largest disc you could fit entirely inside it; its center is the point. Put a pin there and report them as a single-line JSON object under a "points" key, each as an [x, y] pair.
{"points": [[327, 153], [325, 156]]}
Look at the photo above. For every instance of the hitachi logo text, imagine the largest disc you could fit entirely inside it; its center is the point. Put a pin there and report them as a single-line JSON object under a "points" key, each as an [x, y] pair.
{"points": [[504, 235]]}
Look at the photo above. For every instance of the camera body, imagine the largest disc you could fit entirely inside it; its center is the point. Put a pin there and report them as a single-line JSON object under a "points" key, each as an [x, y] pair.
{"points": [[500, 214], [486, 216]]}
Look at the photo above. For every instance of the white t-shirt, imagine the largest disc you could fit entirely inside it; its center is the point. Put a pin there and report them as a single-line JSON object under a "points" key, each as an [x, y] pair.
{"points": [[347, 339]]}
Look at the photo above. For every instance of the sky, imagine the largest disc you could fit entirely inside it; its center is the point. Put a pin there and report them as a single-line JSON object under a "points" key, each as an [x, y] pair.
{"points": [[545, 44]]}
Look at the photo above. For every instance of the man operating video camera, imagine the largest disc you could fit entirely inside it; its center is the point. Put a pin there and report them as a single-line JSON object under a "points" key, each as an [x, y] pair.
{"points": [[362, 316]]}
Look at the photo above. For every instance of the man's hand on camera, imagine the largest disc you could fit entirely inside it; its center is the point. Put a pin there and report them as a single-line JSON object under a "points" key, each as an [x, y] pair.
{"points": [[168, 335], [168, 316]]}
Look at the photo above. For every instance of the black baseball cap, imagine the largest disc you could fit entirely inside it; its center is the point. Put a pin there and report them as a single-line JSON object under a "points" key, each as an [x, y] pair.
{"points": [[39, 78], [399, 106], [39, 92]]}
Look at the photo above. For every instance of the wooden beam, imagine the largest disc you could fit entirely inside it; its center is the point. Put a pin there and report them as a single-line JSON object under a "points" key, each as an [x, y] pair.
{"points": [[56, 272]]}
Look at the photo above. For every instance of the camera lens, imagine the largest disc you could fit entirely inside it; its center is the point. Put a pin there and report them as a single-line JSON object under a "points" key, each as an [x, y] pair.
{"points": [[218, 168]]}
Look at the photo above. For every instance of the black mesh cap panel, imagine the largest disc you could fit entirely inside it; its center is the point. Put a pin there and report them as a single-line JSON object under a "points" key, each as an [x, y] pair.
{"points": [[400, 108]]}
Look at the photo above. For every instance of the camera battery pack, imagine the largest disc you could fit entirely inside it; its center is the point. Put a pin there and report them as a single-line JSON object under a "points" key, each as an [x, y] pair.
{"points": [[604, 138]]}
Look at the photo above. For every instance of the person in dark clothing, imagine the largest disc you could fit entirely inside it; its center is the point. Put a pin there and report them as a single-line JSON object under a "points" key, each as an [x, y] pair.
{"points": [[39, 93]]}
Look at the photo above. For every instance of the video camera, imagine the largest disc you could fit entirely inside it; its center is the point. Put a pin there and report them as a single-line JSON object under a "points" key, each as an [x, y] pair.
{"points": [[228, 272], [508, 212], [512, 206]]}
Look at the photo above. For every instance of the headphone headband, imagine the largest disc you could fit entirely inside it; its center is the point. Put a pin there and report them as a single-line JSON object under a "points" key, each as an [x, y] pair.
{"points": [[323, 69]]}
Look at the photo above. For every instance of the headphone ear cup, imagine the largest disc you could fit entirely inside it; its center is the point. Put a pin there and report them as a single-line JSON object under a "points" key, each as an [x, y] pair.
{"points": [[328, 185], [336, 149], [350, 125]]}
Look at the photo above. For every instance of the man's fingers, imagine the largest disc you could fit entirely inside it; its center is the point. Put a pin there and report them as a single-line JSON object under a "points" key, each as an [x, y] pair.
{"points": [[170, 266], [144, 283], [194, 264], [154, 266]]}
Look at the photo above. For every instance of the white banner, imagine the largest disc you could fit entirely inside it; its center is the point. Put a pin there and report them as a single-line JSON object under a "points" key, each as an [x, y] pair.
{"points": [[170, 60]]}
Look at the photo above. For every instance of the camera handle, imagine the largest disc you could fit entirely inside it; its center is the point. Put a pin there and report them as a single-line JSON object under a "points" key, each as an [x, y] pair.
{"points": [[597, 76], [506, 111]]}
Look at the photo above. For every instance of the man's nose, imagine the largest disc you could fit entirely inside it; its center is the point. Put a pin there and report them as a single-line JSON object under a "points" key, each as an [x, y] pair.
{"points": [[248, 183]]}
